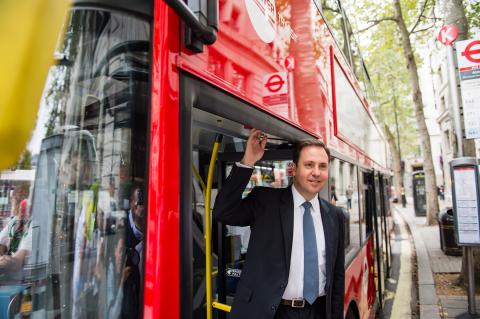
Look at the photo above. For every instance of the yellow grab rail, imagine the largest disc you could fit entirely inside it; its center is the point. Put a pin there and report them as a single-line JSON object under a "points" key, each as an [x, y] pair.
{"points": [[221, 306], [199, 178], [208, 235], [207, 225]]}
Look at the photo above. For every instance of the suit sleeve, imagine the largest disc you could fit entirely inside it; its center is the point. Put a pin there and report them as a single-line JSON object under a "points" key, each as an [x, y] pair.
{"points": [[229, 207], [338, 289]]}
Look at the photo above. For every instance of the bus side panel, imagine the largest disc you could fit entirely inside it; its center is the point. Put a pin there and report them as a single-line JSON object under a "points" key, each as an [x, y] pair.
{"points": [[353, 282], [255, 70], [161, 290], [359, 281]]}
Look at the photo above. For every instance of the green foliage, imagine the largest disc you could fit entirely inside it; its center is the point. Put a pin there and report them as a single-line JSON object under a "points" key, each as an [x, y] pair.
{"points": [[383, 55], [472, 11], [25, 161], [54, 97]]}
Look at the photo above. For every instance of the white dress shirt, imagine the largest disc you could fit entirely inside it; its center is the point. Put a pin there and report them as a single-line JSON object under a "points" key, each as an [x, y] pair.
{"points": [[138, 247], [294, 288]]}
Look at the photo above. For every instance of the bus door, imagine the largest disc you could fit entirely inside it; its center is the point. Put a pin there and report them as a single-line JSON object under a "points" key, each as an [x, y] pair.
{"points": [[374, 227], [383, 197], [215, 122], [380, 234]]}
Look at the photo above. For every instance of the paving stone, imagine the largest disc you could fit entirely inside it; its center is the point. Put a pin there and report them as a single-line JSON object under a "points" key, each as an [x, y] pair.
{"points": [[453, 312], [456, 306], [454, 303], [429, 312], [431, 259], [427, 295]]}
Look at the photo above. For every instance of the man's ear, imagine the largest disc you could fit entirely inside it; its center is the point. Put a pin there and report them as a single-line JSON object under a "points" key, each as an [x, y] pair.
{"points": [[294, 169]]}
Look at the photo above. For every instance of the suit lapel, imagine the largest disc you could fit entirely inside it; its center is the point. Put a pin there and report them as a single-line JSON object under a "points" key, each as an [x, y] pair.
{"points": [[286, 217], [329, 238]]}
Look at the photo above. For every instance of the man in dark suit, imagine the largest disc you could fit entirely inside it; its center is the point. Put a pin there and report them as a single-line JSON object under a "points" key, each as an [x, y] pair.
{"points": [[295, 261], [133, 256]]}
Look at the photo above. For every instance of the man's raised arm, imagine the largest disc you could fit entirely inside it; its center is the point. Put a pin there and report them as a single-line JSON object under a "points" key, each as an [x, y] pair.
{"points": [[229, 207]]}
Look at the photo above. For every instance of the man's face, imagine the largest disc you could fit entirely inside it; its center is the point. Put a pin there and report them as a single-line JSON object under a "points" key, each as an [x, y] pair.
{"points": [[137, 210], [311, 171]]}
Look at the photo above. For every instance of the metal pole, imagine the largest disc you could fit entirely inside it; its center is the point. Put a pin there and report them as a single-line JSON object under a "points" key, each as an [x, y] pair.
{"points": [[472, 307], [291, 98], [404, 199], [453, 86]]}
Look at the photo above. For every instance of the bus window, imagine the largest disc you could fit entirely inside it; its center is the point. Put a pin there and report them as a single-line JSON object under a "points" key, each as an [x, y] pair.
{"points": [[333, 14], [15, 186], [82, 247], [343, 181], [353, 208]]}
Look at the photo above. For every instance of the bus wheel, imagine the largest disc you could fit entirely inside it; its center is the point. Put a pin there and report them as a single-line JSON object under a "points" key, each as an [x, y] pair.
{"points": [[350, 314]]}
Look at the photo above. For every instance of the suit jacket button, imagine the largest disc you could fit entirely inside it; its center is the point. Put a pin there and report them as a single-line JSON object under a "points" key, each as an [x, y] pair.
{"points": [[273, 308], [282, 286]]}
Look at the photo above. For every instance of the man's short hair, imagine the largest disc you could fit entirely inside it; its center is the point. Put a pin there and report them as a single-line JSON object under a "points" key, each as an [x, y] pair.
{"points": [[306, 143]]}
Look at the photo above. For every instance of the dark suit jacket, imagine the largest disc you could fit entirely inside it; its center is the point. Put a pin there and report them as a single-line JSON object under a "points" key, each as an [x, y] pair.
{"points": [[264, 278], [131, 288]]}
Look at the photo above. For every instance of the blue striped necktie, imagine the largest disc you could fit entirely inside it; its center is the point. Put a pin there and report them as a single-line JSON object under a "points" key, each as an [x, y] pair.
{"points": [[310, 256]]}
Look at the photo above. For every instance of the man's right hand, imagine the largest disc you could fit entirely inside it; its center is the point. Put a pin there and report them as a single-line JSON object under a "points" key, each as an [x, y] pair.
{"points": [[255, 147]]}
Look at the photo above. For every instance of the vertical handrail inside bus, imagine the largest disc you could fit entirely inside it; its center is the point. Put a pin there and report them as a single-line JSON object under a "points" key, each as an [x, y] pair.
{"points": [[199, 178], [208, 234]]}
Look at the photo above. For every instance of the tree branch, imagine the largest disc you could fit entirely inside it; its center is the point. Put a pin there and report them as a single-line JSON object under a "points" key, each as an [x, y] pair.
{"points": [[424, 29], [419, 17], [327, 8], [376, 22]]}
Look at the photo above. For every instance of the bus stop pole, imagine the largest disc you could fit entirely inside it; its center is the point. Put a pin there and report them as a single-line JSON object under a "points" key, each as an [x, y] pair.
{"points": [[472, 307], [453, 85]]}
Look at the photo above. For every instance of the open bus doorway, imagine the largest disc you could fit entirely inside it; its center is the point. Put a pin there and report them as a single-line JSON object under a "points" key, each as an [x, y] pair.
{"points": [[230, 243], [211, 114]]}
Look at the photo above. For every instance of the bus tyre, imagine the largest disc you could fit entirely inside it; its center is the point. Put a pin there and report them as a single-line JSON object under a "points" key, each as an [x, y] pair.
{"points": [[350, 314]]}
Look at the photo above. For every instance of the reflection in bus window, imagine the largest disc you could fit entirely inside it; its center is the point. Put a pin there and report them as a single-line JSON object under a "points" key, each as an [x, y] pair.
{"points": [[15, 185], [333, 14], [84, 219], [351, 193], [343, 176]]}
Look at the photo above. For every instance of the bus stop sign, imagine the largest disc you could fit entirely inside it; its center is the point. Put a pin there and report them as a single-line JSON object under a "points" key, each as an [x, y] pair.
{"points": [[447, 34], [472, 51], [466, 197]]}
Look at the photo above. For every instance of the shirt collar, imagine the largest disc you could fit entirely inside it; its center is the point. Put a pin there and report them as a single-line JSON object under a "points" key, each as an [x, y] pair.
{"points": [[298, 200]]}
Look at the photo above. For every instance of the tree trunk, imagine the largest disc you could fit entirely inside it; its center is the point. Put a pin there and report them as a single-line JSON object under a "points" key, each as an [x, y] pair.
{"points": [[454, 13], [430, 179], [397, 166]]}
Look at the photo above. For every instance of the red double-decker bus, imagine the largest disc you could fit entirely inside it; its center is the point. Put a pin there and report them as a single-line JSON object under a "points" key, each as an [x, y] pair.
{"points": [[145, 110]]}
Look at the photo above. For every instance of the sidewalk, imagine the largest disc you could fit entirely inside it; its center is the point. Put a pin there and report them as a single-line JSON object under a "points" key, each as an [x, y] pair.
{"points": [[430, 261]]}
